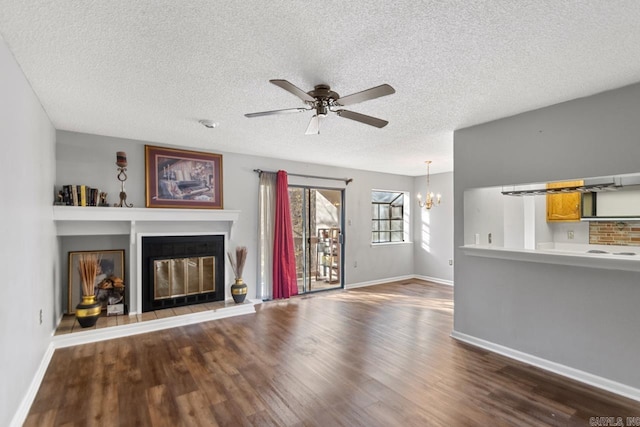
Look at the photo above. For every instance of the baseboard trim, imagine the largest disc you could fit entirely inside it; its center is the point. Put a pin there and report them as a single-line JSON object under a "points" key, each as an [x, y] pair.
{"points": [[547, 365], [398, 279], [378, 282], [435, 280], [23, 410]]}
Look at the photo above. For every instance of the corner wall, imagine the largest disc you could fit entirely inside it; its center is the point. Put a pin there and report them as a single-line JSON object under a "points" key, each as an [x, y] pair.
{"points": [[433, 229], [29, 268], [583, 318]]}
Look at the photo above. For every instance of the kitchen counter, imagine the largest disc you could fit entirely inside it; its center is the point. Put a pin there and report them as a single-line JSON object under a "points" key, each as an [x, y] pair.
{"points": [[580, 255]]}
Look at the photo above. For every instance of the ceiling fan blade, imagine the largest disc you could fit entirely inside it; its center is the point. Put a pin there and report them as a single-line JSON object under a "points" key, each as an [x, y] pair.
{"points": [[362, 118], [314, 126], [365, 95], [272, 112], [293, 89]]}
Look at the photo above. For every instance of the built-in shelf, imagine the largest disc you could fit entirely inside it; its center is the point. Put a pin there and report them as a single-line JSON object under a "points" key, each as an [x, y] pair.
{"points": [[77, 220]]}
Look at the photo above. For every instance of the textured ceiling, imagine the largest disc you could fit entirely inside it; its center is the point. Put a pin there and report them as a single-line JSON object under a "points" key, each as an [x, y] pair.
{"points": [[150, 69]]}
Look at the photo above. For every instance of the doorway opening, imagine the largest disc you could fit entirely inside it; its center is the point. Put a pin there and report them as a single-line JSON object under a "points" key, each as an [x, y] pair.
{"points": [[317, 220]]}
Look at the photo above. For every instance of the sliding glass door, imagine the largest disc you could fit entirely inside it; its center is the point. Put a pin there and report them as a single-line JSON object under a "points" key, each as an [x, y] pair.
{"points": [[316, 216]]}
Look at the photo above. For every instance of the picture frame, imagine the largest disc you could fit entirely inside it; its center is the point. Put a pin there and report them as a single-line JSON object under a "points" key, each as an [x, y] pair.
{"points": [[111, 262], [182, 179]]}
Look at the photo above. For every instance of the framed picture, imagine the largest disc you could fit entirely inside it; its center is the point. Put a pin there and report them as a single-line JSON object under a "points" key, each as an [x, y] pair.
{"points": [[111, 263], [183, 179]]}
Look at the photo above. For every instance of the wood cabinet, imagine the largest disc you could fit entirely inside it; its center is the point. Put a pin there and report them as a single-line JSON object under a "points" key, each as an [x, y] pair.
{"points": [[564, 207]]}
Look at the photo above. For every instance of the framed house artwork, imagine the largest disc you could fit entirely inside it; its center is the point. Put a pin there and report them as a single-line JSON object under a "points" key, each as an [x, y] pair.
{"points": [[182, 179]]}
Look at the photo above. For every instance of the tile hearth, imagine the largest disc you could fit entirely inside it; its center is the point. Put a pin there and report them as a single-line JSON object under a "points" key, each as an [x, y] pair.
{"points": [[70, 333], [68, 325]]}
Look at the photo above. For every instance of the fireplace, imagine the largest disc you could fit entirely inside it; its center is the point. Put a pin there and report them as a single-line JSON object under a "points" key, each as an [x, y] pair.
{"points": [[182, 270]]}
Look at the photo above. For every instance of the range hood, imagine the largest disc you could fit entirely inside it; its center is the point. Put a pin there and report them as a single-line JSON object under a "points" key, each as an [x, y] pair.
{"points": [[623, 205]]}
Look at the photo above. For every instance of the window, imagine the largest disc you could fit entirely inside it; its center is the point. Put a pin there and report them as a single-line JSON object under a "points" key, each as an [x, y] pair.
{"points": [[387, 216]]}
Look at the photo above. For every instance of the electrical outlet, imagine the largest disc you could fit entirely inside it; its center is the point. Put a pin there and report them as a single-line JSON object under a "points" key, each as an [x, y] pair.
{"points": [[450, 262], [570, 234], [41, 316], [489, 239]]}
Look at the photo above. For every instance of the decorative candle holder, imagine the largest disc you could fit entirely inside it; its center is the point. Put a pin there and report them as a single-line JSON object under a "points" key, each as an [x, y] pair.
{"points": [[121, 162]]}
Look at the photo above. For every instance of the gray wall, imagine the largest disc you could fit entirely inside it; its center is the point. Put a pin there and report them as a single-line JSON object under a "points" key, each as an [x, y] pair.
{"points": [[30, 275], [584, 318], [433, 229], [90, 159]]}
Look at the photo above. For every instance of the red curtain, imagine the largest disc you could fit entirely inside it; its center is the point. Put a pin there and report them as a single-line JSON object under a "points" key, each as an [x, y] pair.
{"points": [[285, 283]]}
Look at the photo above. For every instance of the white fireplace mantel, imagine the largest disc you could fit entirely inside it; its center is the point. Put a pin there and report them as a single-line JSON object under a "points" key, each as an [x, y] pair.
{"points": [[91, 220], [139, 222]]}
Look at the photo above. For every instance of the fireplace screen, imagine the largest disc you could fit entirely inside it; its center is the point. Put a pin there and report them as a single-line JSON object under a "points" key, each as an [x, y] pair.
{"points": [[182, 270], [178, 277]]}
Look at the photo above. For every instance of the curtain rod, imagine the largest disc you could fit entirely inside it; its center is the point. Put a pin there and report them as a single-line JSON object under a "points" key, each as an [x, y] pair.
{"points": [[346, 180]]}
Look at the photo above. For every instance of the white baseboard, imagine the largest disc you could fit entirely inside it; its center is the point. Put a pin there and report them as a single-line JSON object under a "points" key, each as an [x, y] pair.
{"points": [[435, 280], [547, 365], [378, 282], [398, 279], [23, 410]]}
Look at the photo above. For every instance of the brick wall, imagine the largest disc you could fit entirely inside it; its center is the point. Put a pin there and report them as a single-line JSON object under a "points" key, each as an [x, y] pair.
{"points": [[625, 233]]}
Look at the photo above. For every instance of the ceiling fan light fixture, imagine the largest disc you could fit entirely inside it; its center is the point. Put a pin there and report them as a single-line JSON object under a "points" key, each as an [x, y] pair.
{"points": [[322, 111]]}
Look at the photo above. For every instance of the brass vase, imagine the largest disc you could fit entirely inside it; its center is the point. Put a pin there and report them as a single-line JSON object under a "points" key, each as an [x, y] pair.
{"points": [[239, 291], [88, 311]]}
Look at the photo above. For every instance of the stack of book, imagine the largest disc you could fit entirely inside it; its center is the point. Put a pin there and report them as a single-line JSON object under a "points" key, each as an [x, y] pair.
{"points": [[79, 195]]}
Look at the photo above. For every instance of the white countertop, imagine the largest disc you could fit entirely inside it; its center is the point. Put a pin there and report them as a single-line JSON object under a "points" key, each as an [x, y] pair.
{"points": [[564, 254]]}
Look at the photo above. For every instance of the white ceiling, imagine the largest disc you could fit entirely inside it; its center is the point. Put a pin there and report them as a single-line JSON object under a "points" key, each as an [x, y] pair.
{"points": [[150, 69]]}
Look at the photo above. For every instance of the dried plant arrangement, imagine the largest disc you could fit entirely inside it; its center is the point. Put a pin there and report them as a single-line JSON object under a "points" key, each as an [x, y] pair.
{"points": [[238, 264], [88, 267]]}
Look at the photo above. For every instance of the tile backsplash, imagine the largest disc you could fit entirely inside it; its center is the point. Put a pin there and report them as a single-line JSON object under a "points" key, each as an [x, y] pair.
{"points": [[626, 233]]}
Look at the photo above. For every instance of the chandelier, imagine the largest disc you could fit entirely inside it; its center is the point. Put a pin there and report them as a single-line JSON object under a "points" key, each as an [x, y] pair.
{"points": [[431, 199]]}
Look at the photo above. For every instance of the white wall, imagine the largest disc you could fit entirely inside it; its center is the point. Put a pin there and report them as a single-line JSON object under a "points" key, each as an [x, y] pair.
{"points": [[560, 232], [544, 230], [514, 225], [433, 229], [90, 159], [27, 261], [484, 215], [584, 318]]}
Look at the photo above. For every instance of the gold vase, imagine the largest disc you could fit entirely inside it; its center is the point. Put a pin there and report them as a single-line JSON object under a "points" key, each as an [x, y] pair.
{"points": [[88, 311], [239, 291]]}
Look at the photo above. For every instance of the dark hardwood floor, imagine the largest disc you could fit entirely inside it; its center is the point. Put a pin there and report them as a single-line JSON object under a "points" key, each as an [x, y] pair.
{"points": [[377, 356]]}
